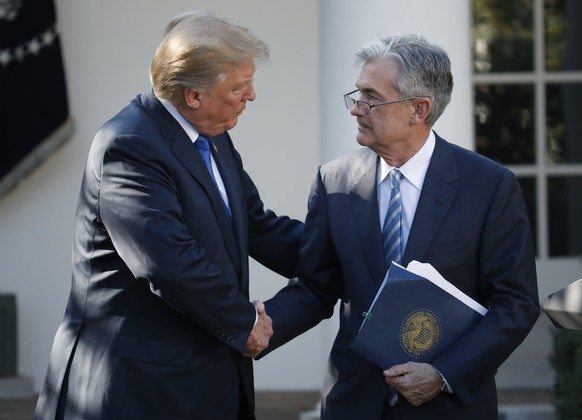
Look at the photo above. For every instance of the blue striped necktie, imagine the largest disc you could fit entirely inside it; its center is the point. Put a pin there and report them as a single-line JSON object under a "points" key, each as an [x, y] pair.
{"points": [[203, 147], [392, 229], [392, 241]]}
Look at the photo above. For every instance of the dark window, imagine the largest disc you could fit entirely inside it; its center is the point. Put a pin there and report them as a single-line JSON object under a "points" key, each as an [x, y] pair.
{"points": [[504, 123], [527, 63]]}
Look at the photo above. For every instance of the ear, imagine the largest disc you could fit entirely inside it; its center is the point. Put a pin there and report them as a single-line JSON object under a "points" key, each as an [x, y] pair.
{"points": [[422, 107], [191, 98]]}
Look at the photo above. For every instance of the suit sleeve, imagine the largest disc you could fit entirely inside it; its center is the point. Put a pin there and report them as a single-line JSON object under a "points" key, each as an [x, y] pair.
{"points": [[139, 205], [273, 240], [311, 298]]}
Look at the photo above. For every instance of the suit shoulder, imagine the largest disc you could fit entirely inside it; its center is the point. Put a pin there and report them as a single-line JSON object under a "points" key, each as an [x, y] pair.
{"points": [[130, 123], [131, 133], [349, 162], [469, 160], [131, 119]]}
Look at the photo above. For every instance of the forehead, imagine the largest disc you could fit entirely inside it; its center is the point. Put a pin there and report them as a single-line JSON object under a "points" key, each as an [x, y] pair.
{"points": [[242, 72], [377, 76]]}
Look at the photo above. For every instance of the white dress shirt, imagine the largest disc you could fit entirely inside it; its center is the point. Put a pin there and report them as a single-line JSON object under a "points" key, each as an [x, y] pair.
{"points": [[413, 173]]}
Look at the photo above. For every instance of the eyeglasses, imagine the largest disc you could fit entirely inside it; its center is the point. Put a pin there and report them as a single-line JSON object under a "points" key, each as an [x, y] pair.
{"points": [[365, 107]]}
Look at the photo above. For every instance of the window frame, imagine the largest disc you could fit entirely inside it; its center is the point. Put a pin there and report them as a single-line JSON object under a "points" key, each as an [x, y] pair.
{"points": [[540, 170]]}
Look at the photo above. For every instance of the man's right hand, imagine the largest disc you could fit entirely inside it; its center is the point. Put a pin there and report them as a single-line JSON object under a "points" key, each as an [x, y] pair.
{"points": [[260, 334]]}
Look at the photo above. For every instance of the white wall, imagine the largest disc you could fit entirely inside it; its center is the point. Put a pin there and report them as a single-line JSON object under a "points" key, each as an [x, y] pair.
{"points": [[108, 45]]}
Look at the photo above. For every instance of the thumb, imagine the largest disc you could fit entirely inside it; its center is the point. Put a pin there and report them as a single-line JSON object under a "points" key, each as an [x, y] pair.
{"points": [[259, 306]]}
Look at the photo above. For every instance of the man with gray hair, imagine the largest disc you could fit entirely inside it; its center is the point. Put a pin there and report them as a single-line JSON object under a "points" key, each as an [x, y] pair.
{"points": [[410, 195], [159, 324]]}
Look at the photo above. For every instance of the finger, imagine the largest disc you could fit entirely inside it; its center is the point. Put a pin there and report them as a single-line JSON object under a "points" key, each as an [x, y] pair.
{"points": [[394, 372], [396, 381], [399, 370], [259, 306]]}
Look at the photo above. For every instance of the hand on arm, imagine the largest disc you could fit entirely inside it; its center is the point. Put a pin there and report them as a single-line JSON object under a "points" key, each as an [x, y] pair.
{"points": [[417, 382], [260, 334]]}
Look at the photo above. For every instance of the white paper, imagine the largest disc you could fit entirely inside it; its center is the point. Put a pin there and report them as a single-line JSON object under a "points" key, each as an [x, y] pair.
{"points": [[427, 271]]}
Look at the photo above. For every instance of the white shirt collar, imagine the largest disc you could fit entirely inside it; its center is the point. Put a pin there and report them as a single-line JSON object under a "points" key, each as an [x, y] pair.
{"points": [[414, 170], [188, 128]]}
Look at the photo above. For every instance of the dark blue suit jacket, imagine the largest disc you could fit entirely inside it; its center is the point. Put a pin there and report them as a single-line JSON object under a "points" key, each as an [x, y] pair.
{"points": [[159, 308], [470, 224]]}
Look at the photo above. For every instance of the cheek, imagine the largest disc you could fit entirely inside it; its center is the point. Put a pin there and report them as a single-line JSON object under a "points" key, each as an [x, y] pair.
{"points": [[232, 107], [376, 129], [384, 128]]}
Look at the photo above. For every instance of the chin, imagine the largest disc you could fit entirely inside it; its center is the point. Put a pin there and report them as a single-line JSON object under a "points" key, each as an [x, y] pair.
{"points": [[361, 140], [230, 126]]}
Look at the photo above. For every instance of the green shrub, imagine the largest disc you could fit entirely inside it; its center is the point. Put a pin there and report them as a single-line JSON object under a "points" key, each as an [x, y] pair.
{"points": [[567, 362]]}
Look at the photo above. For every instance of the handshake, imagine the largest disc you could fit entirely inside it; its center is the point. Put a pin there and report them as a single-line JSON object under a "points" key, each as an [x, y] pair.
{"points": [[260, 334]]}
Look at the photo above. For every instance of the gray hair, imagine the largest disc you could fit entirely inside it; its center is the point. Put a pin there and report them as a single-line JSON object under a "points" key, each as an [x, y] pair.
{"points": [[424, 69], [197, 49]]}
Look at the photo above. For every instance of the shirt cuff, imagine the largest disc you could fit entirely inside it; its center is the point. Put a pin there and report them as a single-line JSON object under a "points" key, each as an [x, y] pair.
{"points": [[445, 387]]}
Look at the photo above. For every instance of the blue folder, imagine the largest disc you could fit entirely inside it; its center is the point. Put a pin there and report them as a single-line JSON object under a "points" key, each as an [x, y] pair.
{"points": [[411, 319]]}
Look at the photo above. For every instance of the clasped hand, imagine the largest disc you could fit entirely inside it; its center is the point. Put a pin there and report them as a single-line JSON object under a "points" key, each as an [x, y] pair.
{"points": [[260, 334], [417, 382]]}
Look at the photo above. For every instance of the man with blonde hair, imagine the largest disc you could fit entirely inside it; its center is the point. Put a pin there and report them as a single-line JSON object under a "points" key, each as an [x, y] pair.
{"points": [[159, 324]]}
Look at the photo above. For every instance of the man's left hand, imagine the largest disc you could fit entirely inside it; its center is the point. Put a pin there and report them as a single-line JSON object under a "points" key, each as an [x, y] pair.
{"points": [[417, 382]]}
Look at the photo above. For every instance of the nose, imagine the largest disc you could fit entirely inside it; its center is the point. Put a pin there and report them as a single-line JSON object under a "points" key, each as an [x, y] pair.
{"points": [[356, 110], [250, 94]]}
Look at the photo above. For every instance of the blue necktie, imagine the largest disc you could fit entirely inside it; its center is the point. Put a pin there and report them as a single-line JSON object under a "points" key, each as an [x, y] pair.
{"points": [[392, 229], [203, 147], [392, 240]]}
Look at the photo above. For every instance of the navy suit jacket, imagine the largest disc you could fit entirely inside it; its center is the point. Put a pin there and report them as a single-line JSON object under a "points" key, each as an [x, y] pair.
{"points": [[159, 308], [470, 224]]}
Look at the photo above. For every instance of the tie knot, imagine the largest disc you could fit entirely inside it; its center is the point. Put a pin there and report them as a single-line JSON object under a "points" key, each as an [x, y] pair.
{"points": [[395, 177], [201, 143]]}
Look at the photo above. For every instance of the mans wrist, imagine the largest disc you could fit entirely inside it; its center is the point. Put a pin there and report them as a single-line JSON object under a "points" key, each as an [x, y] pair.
{"points": [[445, 385]]}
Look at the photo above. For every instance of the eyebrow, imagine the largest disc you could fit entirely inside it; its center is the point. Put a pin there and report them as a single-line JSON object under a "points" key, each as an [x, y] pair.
{"points": [[244, 83], [368, 91]]}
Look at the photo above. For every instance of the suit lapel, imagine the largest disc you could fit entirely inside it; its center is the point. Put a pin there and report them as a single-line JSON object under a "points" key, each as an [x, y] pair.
{"points": [[187, 154], [438, 194], [436, 198], [364, 202], [223, 157], [185, 151]]}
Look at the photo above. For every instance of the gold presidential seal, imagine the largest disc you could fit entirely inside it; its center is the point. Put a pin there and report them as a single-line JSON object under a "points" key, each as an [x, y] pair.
{"points": [[420, 333]]}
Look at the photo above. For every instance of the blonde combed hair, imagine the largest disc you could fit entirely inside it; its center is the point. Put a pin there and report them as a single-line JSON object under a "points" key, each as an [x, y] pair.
{"points": [[197, 49]]}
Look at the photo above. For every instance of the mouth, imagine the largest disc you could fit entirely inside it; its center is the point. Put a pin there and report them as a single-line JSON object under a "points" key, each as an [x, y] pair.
{"points": [[361, 125]]}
